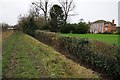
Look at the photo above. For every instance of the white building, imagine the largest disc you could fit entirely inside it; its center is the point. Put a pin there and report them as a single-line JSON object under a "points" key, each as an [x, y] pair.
{"points": [[96, 27], [10, 28], [101, 26]]}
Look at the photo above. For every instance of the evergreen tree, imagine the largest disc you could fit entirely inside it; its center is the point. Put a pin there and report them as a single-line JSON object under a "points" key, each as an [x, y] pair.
{"points": [[56, 18]]}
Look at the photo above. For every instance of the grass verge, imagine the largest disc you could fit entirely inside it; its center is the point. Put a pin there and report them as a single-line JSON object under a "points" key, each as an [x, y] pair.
{"points": [[25, 57]]}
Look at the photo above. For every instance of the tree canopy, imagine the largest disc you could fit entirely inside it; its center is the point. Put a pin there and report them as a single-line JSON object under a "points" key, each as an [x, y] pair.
{"points": [[56, 18]]}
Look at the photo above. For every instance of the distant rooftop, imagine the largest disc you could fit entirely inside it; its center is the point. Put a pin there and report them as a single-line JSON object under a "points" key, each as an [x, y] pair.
{"points": [[10, 28], [99, 21], [103, 21]]}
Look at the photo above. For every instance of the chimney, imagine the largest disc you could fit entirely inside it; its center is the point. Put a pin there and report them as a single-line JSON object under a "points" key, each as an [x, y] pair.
{"points": [[113, 21]]}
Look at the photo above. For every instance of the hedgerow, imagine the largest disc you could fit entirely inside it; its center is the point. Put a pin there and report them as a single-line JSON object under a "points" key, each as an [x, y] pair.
{"points": [[46, 37], [98, 55]]}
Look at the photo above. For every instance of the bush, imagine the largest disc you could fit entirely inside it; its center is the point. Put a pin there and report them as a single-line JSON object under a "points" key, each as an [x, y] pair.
{"points": [[118, 30], [81, 28], [107, 32], [45, 27], [100, 56], [67, 28], [41, 23], [28, 25], [4, 26], [46, 37]]}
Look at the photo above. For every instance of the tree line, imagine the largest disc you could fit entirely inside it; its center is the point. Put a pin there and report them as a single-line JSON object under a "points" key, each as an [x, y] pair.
{"points": [[54, 19]]}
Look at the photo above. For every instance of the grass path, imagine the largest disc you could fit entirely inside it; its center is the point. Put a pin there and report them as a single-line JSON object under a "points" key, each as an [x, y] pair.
{"points": [[25, 57]]}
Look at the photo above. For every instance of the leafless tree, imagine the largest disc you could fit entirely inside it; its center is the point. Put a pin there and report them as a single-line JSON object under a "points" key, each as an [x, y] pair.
{"points": [[42, 5], [33, 11], [81, 20], [67, 6]]}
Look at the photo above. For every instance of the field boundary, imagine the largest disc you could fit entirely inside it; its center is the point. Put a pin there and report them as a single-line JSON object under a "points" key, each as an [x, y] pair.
{"points": [[97, 55]]}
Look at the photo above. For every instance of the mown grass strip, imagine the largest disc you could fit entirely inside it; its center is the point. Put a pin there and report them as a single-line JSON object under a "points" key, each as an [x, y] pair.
{"points": [[29, 58], [7, 47], [16, 62]]}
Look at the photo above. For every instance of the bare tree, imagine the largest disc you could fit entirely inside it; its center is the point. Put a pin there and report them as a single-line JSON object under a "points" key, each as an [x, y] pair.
{"points": [[67, 6], [33, 11], [42, 6], [81, 20]]}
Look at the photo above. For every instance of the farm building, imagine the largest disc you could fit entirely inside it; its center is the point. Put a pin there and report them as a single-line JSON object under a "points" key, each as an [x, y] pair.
{"points": [[10, 28], [101, 26]]}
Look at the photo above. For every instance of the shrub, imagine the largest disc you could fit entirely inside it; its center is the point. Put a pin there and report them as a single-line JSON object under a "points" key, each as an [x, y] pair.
{"points": [[45, 27], [81, 28], [28, 25], [4, 26], [67, 28], [100, 56], [107, 32], [118, 30], [46, 37]]}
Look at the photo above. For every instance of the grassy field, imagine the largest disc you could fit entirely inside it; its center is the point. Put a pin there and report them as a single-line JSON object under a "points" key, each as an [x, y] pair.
{"points": [[108, 38], [25, 57]]}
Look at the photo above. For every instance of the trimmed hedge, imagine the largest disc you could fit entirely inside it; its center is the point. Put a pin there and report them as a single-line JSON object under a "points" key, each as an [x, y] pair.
{"points": [[46, 37], [98, 55]]}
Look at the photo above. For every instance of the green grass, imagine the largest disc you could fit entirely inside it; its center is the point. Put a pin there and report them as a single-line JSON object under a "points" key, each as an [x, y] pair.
{"points": [[108, 38], [25, 57]]}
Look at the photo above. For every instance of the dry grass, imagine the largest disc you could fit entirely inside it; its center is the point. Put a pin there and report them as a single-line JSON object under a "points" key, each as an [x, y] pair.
{"points": [[6, 34]]}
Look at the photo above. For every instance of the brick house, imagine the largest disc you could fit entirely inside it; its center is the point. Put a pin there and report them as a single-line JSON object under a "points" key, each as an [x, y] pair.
{"points": [[101, 26]]}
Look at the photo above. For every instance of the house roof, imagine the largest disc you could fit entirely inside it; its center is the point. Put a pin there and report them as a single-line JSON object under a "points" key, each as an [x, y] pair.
{"points": [[103, 21], [99, 21]]}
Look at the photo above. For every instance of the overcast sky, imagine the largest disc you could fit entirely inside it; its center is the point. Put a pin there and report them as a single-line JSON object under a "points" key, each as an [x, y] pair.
{"points": [[89, 10]]}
